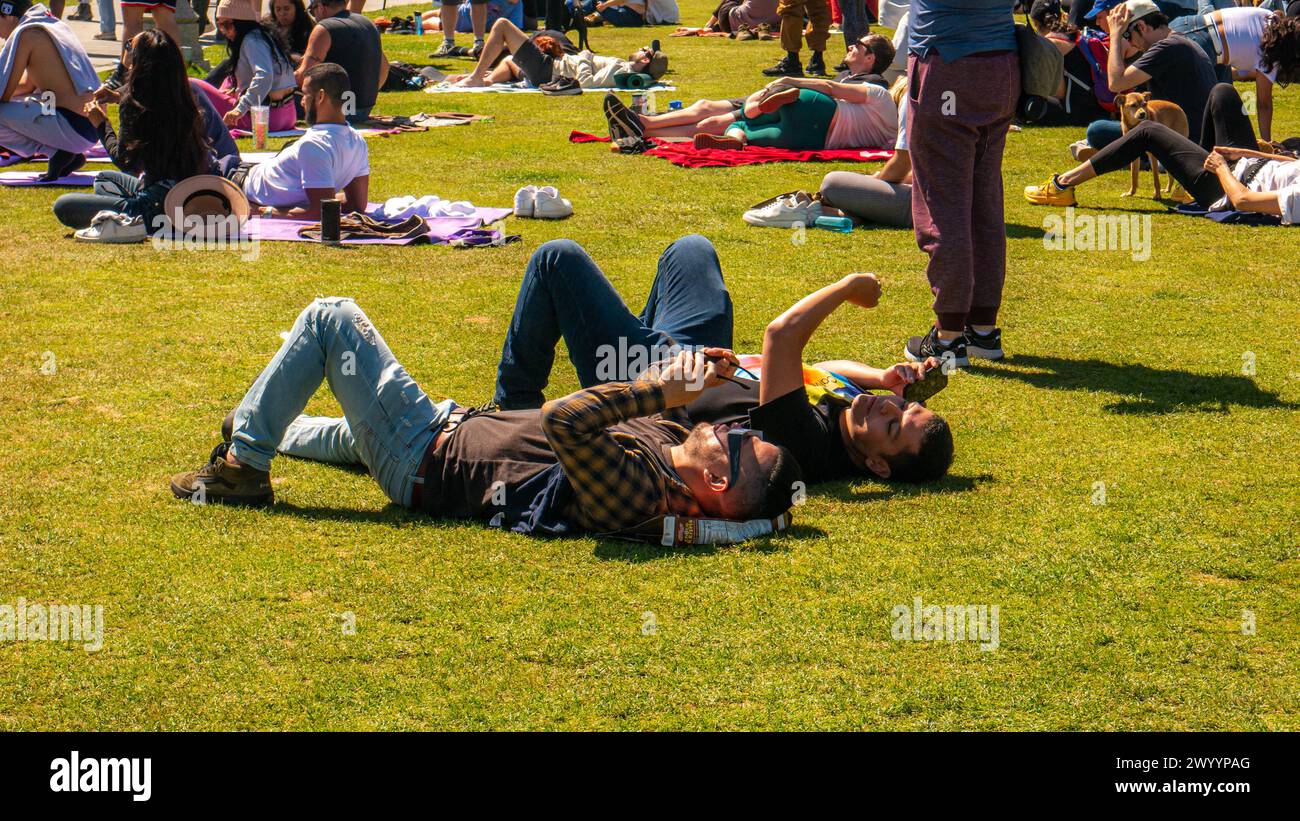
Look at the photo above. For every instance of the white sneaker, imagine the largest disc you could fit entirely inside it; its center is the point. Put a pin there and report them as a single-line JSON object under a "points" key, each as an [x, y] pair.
{"points": [[1080, 150], [524, 201], [113, 228], [785, 211], [549, 205]]}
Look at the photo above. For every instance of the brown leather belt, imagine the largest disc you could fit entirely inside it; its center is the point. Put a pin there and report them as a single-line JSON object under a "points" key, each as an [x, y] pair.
{"points": [[421, 473]]}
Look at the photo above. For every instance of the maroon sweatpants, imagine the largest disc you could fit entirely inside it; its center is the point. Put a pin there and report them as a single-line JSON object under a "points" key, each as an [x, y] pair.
{"points": [[957, 120]]}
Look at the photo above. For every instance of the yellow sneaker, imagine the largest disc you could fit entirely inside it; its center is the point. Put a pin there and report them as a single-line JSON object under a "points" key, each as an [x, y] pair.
{"points": [[1049, 193], [1180, 195]]}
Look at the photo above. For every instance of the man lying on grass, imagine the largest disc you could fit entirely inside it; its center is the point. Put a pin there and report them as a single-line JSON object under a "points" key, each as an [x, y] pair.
{"points": [[823, 414], [607, 458]]}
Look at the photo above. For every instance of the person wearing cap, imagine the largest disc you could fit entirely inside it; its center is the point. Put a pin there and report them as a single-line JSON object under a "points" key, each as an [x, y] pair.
{"points": [[262, 70], [348, 39], [46, 79], [543, 61], [964, 85], [161, 140], [331, 157]]}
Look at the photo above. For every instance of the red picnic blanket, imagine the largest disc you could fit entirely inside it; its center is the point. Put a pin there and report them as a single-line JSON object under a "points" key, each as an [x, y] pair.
{"points": [[687, 155]]}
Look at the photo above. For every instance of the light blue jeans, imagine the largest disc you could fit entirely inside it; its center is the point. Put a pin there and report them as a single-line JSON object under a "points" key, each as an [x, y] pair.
{"points": [[107, 17], [387, 424]]}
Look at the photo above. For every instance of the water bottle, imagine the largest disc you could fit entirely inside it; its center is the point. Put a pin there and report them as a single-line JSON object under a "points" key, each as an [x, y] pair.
{"points": [[650, 103], [419, 24], [842, 225]]}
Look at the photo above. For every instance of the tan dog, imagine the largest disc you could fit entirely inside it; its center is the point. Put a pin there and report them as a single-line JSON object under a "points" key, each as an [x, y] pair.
{"points": [[1135, 108]]}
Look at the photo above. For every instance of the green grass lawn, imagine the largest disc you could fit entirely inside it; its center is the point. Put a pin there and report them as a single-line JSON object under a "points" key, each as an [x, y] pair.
{"points": [[1126, 615]]}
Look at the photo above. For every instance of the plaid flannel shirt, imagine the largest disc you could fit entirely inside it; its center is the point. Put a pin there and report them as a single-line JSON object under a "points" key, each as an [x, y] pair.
{"points": [[619, 481]]}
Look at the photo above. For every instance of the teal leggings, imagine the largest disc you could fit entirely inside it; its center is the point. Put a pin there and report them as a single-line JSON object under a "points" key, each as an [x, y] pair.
{"points": [[801, 125]]}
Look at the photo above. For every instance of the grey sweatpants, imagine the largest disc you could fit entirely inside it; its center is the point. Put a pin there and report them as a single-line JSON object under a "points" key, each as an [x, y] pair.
{"points": [[28, 128], [868, 199]]}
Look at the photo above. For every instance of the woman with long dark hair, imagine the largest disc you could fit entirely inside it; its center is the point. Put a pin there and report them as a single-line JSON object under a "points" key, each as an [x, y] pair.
{"points": [[262, 69], [162, 139]]}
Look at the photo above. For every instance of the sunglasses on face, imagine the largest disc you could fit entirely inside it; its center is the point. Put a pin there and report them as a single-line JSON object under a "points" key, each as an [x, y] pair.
{"points": [[735, 441]]}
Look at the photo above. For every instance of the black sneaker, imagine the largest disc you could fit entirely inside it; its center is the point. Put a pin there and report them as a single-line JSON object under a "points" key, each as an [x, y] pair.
{"points": [[223, 483], [786, 67], [816, 65], [952, 354], [623, 122], [563, 87], [984, 346]]}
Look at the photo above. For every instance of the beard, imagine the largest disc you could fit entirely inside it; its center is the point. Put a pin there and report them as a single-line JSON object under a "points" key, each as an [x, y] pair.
{"points": [[309, 114]]}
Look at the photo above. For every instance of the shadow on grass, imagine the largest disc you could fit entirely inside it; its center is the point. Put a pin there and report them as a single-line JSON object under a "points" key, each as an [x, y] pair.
{"points": [[622, 550], [1151, 390], [879, 491]]}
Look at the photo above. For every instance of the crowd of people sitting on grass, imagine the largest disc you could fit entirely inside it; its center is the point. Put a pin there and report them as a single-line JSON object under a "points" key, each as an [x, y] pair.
{"points": [[700, 432]]}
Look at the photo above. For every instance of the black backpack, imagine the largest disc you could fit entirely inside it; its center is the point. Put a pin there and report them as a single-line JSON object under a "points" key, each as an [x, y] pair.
{"points": [[561, 17]]}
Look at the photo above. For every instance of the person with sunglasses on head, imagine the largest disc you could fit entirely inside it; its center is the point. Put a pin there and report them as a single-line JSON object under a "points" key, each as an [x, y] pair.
{"points": [[348, 39]]}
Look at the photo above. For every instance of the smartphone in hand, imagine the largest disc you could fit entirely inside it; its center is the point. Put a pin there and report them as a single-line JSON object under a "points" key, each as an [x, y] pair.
{"points": [[933, 381]]}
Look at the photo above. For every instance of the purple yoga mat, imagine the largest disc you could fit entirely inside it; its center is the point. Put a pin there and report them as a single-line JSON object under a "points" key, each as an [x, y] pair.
{"points": [[77, 179], [440, 228]]}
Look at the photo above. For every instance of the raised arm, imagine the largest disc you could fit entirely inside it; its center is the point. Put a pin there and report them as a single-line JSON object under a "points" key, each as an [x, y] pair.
{"points": [[787, 335]]}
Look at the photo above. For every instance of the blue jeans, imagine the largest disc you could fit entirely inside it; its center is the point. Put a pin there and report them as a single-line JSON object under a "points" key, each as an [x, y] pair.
{"points": [[1102, 133], [1194, 28], [564, 294], [853, 21], [387, 424], [114, 191], [107, 17]]}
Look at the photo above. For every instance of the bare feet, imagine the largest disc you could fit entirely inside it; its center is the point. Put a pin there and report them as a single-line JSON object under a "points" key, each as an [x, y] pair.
{"points": [[470, 81]]}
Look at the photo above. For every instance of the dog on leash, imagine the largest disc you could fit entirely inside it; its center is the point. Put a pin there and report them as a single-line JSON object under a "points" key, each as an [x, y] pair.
{"points": [[1134, 109]]}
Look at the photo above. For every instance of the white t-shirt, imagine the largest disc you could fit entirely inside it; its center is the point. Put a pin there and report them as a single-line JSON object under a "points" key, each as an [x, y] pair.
{"points": [[329, 156], [1279, 176], [869, 124], [901, 143], [1237, 32]]}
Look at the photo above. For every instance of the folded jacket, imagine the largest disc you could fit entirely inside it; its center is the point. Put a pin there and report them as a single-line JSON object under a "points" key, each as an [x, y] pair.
{"points": [[359, 226]]}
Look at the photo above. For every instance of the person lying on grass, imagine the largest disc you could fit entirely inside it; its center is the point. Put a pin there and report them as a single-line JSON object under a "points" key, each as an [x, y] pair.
{"points": [[331, 157], [853, 111], [822, 414], [604, 459], [825, 414], [542, 59], [883, 198], [1233, 174]]}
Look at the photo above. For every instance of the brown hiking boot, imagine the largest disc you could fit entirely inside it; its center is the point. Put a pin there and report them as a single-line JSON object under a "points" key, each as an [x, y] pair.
{"points": [[220, 482]]}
